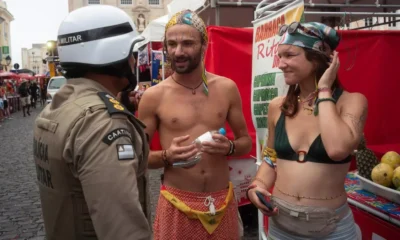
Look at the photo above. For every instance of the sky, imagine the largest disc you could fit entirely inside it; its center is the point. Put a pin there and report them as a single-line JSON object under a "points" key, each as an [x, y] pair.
{"points": [[35, 21]]}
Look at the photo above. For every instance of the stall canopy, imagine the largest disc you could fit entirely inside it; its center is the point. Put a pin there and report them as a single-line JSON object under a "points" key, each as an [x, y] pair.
{"points": [[26, 76], [179, 5], [154, 32], [8, 75]]}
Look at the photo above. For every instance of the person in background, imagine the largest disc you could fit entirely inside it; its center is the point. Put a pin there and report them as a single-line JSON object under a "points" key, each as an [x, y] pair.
{"points": [[312, 132], [23, 91], [43, 94], [4, 93], [1, 106], [34, 90]]}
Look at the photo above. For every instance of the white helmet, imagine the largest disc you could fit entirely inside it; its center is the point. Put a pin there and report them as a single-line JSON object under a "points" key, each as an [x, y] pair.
{"points": [[98, 35]]}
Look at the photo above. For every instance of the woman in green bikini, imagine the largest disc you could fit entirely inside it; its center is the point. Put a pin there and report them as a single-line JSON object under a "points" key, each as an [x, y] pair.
{"points": [[311, 132]]}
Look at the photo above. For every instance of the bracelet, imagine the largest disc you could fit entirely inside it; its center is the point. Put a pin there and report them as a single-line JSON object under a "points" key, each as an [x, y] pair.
{"points": [[231, 148], [319, 100], [251, 186], [324, 89], [269, 162], [164, 158], [270, 153], [261, 181]]}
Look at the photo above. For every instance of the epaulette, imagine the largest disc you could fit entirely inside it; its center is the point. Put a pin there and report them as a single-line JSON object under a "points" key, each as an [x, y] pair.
{"points": [[113, 105]]}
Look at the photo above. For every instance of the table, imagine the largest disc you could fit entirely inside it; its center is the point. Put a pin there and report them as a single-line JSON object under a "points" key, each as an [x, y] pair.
{"points": [[376, 216]]}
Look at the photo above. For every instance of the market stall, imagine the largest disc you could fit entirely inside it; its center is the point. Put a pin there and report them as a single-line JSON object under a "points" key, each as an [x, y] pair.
{"points": [[10, 80], [149, 48]]}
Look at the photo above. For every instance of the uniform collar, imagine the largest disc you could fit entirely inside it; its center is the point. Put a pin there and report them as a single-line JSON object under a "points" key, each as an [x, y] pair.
{"points": [[89, 84]]}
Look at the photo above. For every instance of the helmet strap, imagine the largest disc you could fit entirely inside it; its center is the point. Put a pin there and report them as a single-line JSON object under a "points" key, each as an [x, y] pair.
{"points": [[126, 91]]}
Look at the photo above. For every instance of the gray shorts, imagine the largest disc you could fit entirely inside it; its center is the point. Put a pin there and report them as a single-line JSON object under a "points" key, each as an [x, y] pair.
{"points": [[345, 229], [25, 101]]}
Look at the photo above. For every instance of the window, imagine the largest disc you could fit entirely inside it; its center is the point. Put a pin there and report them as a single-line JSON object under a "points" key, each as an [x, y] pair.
{"points": [[57, 83], [155, 2], [93, 1], [5, 29], [126, 2]]}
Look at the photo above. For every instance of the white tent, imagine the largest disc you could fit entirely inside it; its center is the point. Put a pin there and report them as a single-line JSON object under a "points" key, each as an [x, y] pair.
{"points": [[179, 5], [154, 32]]}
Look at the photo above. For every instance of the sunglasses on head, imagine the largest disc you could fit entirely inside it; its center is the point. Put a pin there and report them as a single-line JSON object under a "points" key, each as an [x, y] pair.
{"points": [[291, 28]]}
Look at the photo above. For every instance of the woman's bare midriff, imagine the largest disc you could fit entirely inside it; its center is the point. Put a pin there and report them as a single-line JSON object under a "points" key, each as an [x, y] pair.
{"points": [[314, 180]]}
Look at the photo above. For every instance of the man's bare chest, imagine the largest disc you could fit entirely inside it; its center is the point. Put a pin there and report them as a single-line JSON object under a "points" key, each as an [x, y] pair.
{"points": [[185, 113]]}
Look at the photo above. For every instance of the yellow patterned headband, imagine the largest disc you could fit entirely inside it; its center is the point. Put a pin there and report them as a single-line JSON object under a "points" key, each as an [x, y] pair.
{"points": [[192, 19]]}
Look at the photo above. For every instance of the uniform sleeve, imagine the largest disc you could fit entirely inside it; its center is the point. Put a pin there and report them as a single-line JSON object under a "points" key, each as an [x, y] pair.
{"points": [[106, 164]]}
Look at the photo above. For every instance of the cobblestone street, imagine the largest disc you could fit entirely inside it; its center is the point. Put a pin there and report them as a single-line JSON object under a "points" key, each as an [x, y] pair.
{"points": [[20, 210]]}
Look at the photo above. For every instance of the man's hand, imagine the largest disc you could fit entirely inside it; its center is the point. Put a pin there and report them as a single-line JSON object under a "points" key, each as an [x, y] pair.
{"points": [[178, 153], [220, 145]]}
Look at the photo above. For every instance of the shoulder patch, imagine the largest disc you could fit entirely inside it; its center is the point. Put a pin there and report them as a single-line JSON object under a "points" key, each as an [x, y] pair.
{"points": [[125, 152], [113, 105], [115, 134]]}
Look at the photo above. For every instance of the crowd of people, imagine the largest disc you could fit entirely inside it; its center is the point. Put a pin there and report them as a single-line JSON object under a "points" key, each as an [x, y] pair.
{"points": [[28, 93], [93, 176], [7, 89]]}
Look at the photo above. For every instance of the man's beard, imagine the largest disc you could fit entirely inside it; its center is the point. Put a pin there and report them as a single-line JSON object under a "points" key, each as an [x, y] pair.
{"points": [[192, 63]]}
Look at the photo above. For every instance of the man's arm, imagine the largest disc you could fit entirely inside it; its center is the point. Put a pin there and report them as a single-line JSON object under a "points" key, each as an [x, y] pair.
{"points": [[237, 122], [106, 162], [147, 114]]}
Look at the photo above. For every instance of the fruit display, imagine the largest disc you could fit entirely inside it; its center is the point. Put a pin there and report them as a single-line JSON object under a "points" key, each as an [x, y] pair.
{"points": [[382, 174], [392, 158], [396, 178], [387, 172], [366, 160]]}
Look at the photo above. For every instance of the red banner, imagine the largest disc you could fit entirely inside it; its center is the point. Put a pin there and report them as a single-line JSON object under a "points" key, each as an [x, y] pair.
{"points": [[229, 55], [367, 66]]}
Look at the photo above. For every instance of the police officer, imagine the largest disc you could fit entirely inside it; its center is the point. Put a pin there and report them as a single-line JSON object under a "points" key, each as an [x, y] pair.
{"points": [[90, 151]]}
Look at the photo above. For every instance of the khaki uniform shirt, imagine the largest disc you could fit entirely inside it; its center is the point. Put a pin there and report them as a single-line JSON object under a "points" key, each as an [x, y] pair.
{"points": [[91, 160]]}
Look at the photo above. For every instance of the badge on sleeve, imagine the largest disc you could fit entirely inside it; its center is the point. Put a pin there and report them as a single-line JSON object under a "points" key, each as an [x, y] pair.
{"points": [[113, 105], [115, 134], [125, 152]]}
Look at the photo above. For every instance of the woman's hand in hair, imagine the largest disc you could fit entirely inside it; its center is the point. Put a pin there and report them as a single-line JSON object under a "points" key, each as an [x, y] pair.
{"points": [[329, 76]]}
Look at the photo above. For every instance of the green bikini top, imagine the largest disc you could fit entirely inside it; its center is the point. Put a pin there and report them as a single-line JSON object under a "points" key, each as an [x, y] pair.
{"points": [[316, 153]]}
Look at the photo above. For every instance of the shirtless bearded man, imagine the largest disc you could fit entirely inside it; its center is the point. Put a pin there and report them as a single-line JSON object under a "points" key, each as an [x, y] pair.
{"points": [[181, 108]]}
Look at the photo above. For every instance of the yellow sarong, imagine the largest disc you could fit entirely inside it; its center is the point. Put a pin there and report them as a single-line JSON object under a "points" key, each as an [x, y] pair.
{"points": [[209, 220]]}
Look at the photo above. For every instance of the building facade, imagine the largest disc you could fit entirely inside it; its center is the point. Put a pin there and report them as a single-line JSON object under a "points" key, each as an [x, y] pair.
{"points": [[33, 58], [141, 11], [376, 23], [5, 39]]}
